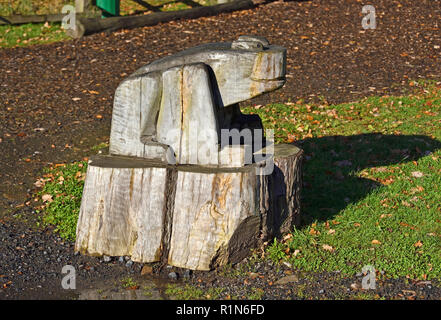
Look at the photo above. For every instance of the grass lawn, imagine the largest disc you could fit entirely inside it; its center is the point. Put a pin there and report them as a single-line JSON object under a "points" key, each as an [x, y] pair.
{"points": [[39, 33], [372, 178], [127, 7], [30, 33], [32, 7], [62, 187], [372, 185]]}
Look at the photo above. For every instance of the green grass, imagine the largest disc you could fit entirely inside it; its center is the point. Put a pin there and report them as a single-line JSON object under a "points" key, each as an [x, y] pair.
{"points": [[129, 7], [32, 7], [364, 202], [29, 34], [128, 283], [101, 147], [41, 33], [255, 294], [39, 7], [189, 292], [61, 193]]}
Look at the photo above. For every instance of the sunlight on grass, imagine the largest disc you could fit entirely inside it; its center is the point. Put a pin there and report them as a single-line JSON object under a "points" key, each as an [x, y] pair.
{"points": [[32, 7], [372, 185], [62, 188], [29, 34], [372, 179]]}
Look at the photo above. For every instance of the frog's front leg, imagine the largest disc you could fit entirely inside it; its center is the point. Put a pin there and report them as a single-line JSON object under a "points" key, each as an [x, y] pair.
{"points": [[188, 117], [168, 113], [135, 110]]}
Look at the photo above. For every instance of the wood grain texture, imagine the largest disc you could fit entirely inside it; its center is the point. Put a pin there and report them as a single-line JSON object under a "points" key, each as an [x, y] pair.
{"points": [[122, 212], [215, 204], [178, 107], [189, 216]]}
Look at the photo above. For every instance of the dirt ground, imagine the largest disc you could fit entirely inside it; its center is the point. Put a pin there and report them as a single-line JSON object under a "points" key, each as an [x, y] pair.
{"points": [[56, 103]]}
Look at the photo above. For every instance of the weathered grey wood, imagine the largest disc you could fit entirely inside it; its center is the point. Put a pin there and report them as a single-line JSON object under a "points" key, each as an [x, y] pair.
{"points": [[187, 181], [21, 19], [191, 216], [286, 186], [83, 6], [179, 105], [39, 18], [122, 212], [243, 69], [216, 204]]}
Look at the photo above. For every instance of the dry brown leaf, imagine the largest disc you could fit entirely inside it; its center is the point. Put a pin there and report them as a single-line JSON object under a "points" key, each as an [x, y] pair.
{"points": [[418, 244], [417, 174], [327, 247], [47, 198]]}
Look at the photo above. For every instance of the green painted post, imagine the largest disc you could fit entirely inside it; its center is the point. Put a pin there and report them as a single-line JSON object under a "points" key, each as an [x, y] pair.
{"points": [[110, 8]]}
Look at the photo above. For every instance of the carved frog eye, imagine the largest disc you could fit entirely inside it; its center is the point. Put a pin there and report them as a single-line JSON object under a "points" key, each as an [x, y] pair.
{"points": [[254, 43]]}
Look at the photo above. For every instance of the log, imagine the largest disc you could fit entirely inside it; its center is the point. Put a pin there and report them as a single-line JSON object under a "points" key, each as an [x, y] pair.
{"points": [[22, 19], [86, 26], [189, 216]]}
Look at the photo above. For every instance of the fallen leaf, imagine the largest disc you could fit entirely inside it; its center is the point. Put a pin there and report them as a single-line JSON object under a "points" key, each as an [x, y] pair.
{"points": [[418, 244], [288, 236], [327, 247], [47, 198], [417, 174], [133, 287], [287, 279], [354, 286], [39, 183]]}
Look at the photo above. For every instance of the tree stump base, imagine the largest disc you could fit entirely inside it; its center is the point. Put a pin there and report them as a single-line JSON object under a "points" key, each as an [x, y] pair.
{"points": [[188, 216]]}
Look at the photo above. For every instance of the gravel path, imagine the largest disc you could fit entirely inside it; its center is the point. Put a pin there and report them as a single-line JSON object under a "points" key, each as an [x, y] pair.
{"points": [[56, 101]]}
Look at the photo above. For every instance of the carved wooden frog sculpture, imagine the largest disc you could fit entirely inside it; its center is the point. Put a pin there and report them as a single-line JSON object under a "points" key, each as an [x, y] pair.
{"points": [[186, 99]]}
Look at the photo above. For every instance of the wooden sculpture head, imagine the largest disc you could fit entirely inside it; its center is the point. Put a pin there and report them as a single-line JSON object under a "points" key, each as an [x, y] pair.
{"points": [[156, 107], [243, 69]]}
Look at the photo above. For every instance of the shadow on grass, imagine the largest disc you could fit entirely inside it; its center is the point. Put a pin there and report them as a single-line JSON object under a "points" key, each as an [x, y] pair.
{"points": [[331, 163]]}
